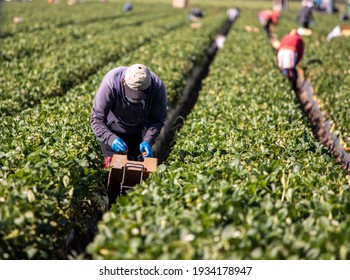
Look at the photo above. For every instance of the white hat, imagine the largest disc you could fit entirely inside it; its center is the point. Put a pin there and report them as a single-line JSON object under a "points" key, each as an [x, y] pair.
{"points": [[138, 80]]}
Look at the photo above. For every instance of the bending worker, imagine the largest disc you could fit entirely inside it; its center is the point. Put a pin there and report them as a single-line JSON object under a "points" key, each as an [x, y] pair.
{"points": [[289, 54], [268, 17], [129, 111]]}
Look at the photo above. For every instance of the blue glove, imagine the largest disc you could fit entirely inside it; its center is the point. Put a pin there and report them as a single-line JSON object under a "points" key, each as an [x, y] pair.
{"points": [[146, 147], [119, 146]]}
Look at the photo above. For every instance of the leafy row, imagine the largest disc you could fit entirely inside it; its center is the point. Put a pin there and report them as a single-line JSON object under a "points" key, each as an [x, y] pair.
{"points": [[53, 40], [26, 82], [41, 16]]}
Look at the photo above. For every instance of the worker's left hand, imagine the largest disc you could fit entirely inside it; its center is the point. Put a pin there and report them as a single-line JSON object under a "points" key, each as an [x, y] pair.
{"points": [[147, 148]]}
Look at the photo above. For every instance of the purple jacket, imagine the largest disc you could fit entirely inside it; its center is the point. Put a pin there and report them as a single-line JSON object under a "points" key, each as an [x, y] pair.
{"points": [[111, 112]]}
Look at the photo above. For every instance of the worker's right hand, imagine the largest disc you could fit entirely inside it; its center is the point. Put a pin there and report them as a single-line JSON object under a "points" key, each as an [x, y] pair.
{"points": [[118, 145]]}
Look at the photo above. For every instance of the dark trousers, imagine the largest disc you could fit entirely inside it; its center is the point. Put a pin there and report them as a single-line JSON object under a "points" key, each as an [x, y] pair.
{"points": [[291, 74], [305, 24], [268, 28], [133, 142]]}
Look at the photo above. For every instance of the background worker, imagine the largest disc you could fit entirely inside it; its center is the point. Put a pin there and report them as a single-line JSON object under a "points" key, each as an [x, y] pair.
{"points": [[127, 7], [305, 14], [232, 13], [289, 54], [195, 14], [129, 111], [268, 17]]}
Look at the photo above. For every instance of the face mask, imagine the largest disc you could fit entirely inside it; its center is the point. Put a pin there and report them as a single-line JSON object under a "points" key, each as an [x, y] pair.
{"points": [[133, 101]]}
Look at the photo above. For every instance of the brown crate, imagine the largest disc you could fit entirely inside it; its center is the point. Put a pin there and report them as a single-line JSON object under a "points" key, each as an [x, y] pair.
{"points": [[125, 174]]}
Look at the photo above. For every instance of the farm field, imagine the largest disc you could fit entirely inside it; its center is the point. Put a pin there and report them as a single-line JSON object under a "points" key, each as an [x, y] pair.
{"points": [[245, 177]]}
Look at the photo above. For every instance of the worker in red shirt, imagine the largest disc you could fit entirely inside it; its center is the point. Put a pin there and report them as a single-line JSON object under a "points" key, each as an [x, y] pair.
{"points": [[289, 54], [268, 17]]}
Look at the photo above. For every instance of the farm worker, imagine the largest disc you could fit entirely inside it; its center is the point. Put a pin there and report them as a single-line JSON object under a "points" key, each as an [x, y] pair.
{"points": [[305, 14], [195, 15], [232, 13], [268, 17], [318, 3], [129, 111], [289, 54], [219, 41], [127, 7]]}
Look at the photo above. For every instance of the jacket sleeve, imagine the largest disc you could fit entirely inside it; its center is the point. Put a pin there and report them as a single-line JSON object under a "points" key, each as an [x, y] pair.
{"points": [[157, 116], [300, 49], [103, 102]]}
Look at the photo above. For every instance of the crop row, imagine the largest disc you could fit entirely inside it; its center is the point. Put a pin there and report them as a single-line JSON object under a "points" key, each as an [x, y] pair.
{"points": [[245, 180], [26, 82], [54, 40], [50, 160], [40, 16]]}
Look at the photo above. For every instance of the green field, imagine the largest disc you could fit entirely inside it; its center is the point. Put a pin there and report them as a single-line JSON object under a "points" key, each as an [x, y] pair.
{"points": [[245, 177]]}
